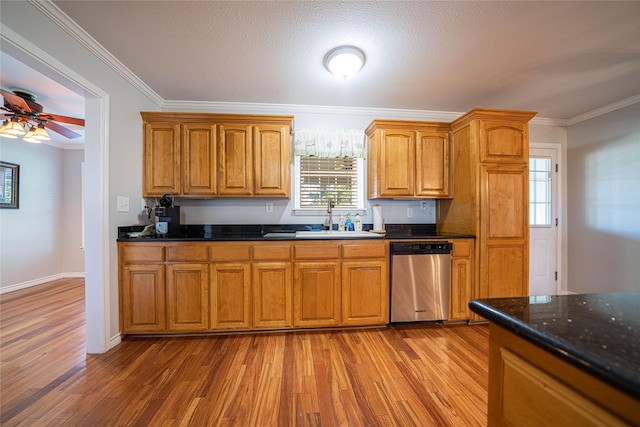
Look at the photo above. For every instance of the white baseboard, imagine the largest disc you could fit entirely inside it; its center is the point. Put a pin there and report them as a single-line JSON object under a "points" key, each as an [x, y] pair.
{"points": [[115, 340], [40, 281]]}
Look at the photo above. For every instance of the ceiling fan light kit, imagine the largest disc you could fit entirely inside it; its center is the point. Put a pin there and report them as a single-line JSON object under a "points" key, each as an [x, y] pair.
{"points": [[344, 61], [25, 113]]}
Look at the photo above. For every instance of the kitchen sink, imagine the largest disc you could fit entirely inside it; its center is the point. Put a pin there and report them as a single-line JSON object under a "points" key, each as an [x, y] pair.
{"points": [[334, 234]]}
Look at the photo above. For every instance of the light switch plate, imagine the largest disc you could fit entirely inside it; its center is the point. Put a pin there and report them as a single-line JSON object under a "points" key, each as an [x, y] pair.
{"points": [[123, 204], [409, 212], [269, 207]]}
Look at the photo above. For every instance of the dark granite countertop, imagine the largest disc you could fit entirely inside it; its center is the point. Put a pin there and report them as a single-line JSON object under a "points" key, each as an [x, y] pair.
{"points": [[210, 232], [598, 333]]}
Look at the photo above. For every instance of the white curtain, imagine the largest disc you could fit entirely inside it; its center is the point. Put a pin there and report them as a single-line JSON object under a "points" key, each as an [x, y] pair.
{"points": [[329, 143]]}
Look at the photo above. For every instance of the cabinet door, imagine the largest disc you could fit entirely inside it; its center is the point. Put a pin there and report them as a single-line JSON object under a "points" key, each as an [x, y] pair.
{"points": [[272, 301], [316, 294], [396, 166], [199, 159], [504, 219], [503, 141], [143, 298], [187, 297], [461, 279], [161, 159], [235, 160], [365, 293], [272, 160], [432, 164], [230, 296]]}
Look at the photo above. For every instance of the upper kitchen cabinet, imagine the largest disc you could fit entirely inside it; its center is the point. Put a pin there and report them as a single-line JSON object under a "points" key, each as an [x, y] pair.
{"points": [[216, 155], [408, 159], [161, 159]]}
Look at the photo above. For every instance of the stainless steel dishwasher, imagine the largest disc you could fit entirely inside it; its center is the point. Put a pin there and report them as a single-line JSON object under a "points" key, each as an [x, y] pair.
{"points": [[420, 281]]}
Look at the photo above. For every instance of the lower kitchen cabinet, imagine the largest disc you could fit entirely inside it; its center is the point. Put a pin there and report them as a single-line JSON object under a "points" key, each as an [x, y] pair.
{"points": [[231, 296], [272, 299], [316, 294], [142, 298], [191, 287], [461, 279], [365, 293], [187, 297]]}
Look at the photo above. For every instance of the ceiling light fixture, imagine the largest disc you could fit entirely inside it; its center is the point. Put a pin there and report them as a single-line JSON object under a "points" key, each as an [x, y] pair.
{"points": [[16, 127], [344, 61]]}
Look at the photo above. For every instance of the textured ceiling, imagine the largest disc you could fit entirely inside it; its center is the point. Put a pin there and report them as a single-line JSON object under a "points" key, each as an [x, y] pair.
{"points": [[561, 59]]}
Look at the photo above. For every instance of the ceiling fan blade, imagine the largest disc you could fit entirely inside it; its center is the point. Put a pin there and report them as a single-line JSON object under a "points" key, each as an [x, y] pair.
{"points": [[15, 101], [63, 119], [61, 130]]}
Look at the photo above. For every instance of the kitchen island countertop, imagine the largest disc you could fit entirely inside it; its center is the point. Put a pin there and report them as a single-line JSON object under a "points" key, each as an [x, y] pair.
{"points": [[598, 333]]}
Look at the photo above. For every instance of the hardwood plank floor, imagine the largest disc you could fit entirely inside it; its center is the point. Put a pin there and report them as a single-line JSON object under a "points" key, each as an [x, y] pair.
{"points": [[409, 375]]}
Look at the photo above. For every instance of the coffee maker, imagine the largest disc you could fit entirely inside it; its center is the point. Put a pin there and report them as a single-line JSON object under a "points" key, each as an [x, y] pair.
{"points": [[167, 216]]}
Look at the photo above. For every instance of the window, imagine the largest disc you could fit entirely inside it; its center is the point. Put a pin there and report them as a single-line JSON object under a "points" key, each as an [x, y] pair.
{"points": [[321, 178], [539, 191]]}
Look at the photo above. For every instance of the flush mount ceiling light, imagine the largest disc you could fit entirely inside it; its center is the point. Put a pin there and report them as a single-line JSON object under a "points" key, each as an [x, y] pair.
{"points": [[344, 61]]}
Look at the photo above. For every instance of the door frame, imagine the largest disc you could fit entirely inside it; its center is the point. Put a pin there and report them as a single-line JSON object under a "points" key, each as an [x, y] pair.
{"points": [[557, 199]]}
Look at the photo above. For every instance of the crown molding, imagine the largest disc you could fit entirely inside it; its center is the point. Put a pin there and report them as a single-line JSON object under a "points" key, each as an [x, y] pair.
{"points": [[62, 20], [604, 110]]}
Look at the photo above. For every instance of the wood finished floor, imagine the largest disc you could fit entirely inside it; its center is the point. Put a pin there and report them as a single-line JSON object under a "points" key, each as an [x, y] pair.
{"points": [[398, 376]]}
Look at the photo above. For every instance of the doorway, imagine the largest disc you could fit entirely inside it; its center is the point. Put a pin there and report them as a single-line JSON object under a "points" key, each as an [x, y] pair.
{"points": [[544, 221]]}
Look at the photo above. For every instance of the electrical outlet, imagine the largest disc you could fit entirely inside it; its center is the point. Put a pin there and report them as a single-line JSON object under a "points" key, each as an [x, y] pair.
{"points": [[123, 204], [269, 207], [409, 212], [143, 205]]}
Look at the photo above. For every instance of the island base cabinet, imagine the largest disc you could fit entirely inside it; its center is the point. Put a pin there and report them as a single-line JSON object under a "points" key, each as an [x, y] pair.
{"points": [[143, 298], [365, 293], [272, 300], [530, 387], [230, 296]]}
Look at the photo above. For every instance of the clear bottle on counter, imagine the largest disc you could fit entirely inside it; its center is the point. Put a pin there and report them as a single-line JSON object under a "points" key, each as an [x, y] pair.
{"points": [[348, 224], [341, 223], [358, 222]]}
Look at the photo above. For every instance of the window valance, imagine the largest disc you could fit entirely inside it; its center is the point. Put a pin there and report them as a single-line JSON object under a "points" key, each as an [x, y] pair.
{"points": [[329, 143]]}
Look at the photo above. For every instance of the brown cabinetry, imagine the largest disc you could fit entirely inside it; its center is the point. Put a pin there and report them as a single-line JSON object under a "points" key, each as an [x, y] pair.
{"points": [[490, 153], [461, 279], [195, 287], [216, 155], [530, 387], [365, 284], [317, 285], [408, 159]]}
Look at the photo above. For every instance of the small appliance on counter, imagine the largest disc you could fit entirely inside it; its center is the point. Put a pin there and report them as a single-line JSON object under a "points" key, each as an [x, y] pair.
{"points": [[167, 216]]}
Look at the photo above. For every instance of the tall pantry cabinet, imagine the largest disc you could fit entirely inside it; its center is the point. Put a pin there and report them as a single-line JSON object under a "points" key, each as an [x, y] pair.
{"points": [[490, 152]]}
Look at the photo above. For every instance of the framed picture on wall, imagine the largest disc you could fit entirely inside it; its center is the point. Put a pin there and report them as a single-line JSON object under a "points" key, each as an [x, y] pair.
{"points": [[9, 179]]}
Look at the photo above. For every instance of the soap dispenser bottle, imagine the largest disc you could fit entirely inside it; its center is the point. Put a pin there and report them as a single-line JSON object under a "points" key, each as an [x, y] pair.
{"points": [[358, 221], [341, 223], [348, 223]]}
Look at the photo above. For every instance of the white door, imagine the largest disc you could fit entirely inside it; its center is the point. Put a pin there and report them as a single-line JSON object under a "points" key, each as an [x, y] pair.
{"points": [[543, 221]]}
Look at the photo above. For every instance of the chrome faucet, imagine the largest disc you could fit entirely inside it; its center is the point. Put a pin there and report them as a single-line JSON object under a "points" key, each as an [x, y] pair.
{"points": [[330, 206]]}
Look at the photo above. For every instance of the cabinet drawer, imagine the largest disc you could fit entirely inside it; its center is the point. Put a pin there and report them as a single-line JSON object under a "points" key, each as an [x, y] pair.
{"points": [[317, 251], [364, 250], [272, 252], [233, 252], [461, 248], [135, 253], [188, 253]]}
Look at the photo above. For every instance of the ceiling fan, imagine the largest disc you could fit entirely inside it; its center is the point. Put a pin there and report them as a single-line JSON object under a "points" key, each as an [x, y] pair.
{"points": [[25, 113]]}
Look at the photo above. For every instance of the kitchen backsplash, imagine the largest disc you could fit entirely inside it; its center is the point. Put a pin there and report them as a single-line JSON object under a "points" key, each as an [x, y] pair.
{"points": [[254, 211]]}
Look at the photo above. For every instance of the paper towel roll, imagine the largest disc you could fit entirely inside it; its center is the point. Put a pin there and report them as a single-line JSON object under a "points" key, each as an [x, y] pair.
{"points": [[377, 218]]}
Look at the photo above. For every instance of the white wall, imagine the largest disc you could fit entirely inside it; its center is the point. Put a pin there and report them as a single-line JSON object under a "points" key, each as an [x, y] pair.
{"points": [[604, 202], [124, 132], [72, 251]]}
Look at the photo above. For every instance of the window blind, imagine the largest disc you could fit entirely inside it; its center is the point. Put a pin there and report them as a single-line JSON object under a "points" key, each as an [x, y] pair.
{"points": [[323, 178]]}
